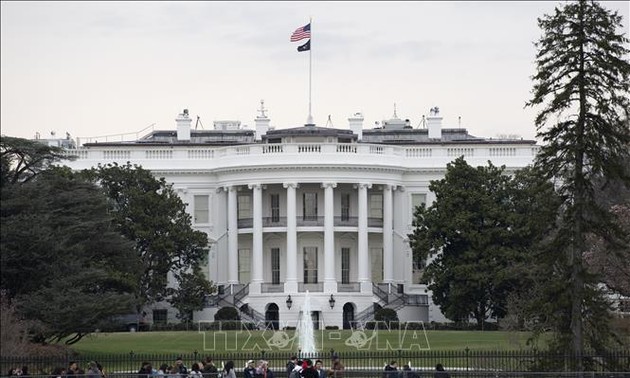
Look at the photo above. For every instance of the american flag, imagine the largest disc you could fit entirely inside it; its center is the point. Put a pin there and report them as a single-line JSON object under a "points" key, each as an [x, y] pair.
{"points": [[301, 33]]}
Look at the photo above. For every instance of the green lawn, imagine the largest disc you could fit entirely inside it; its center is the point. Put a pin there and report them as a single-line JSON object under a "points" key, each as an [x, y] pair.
{"points": [[237, 341]]}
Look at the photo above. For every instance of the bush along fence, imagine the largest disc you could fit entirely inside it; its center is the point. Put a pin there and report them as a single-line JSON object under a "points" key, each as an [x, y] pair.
{"points": [[456, 362]]}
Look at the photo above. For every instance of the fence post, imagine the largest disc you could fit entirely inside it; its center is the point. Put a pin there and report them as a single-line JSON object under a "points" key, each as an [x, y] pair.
{"points": [[131, 360], [467, 350]]}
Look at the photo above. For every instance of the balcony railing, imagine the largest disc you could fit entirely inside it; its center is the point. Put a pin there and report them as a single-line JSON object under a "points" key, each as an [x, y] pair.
{"points": [[507, 152], [274, 221], [311, 287], [347, 221], [350, 287], [272, 288], [375, 222], [309, 222], [246, 223]]}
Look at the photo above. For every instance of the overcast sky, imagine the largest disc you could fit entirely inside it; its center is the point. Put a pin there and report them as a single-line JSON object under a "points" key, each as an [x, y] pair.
{"points": [[102, 68]]}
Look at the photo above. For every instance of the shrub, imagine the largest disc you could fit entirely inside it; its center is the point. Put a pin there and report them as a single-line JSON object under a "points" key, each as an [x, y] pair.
{"points": [[386, 315], [332, 327], [227, 313]]}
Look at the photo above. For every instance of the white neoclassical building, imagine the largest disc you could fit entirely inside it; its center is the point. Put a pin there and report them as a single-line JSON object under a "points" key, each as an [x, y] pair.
{"points": [[310, 208]]}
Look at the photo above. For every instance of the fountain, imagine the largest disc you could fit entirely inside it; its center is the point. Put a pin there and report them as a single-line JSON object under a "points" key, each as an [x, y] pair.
{"points": [[305, 328]]}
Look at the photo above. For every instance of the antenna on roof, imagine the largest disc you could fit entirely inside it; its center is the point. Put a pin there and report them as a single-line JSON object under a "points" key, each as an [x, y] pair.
{"points": [[198, 123], [329, 122], [459, 122], [422, 123], [395, 116]]}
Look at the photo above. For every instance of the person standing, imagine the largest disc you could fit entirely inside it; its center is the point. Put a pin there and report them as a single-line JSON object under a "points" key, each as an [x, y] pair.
{"points": [[309, 371], [250, 369], [182, 370], [195, 371], [408, 373], [228, 370], [209, 369], [337, 368], [391, 370], [291, 365], [440, 372], [319, 366]]}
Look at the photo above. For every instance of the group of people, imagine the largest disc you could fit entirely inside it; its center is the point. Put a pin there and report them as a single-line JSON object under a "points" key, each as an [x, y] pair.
{"points": [[206, 368], [391, 371], [307, 369], [295, 368]]}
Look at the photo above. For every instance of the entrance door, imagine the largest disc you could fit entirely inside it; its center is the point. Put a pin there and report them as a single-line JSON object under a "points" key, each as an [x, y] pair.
{"points": [[348, 315], [272, 317]]}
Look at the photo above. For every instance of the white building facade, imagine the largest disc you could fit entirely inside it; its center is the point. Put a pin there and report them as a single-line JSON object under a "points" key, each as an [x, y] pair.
{"points": [[313, 209]]}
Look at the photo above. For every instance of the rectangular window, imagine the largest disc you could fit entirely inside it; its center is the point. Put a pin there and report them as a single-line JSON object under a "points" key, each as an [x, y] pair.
{"points": [[275, 208], [244, 206], [345, 206], [376, 206], [345, 265], [310, 206], [376, 260], [200, 204], [417, 199], [244, 265], [310, 264], [275, 266], [160, 316]]}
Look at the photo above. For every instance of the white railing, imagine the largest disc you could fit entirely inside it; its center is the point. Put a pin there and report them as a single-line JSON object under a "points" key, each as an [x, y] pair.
{"points": [[200, 154], [397, 155], [159, 154]]}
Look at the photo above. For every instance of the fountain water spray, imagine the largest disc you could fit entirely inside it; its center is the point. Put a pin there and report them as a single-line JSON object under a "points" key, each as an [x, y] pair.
{"points": [[305, 328]]}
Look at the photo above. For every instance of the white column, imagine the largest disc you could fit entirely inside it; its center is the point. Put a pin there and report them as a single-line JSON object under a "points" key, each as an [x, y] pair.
{"points": [[363, 252], [330, 282], [388, 233], [290, 284], [257, 253], [232, 236]]}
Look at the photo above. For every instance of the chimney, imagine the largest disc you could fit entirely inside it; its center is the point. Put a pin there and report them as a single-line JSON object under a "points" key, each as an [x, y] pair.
{"points": [[261, 121], [183, 125], [356, 125], [434, 123]]}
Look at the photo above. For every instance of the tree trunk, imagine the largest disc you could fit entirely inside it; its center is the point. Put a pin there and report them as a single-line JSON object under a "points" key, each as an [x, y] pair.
{"points": [[577, 247]]}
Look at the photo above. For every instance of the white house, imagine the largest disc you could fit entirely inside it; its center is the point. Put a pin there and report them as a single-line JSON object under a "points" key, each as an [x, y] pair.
{"points": [[309, 208]]}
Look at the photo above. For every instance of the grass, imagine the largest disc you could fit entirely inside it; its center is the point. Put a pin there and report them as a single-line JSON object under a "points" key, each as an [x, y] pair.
{"points": [[341, 341]]}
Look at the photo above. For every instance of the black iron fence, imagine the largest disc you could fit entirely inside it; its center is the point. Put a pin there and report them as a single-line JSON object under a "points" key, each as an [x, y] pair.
{"points": [[459, 362]]}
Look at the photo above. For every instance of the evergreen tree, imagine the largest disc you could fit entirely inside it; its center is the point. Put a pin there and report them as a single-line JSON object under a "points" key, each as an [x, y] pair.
{"points": [[62, 262], [582, 87]]}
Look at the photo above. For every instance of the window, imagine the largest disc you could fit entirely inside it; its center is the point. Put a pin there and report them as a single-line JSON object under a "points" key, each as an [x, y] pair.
{"points": [[310, 264], [376, 206], [275, 266], [244, 265], [160, 316], [345, 206], [417, 269], [201, 209], [345, 265], [275, 208], [376, 259], [310, 206], [244, 205], [417, 199]]}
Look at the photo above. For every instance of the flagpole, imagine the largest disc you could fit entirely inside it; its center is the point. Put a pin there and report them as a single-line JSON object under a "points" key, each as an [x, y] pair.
{"points": [[310, 52]]}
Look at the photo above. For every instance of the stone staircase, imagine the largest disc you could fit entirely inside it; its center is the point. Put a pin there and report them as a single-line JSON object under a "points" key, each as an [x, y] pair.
{"points": [[384, 298]]}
